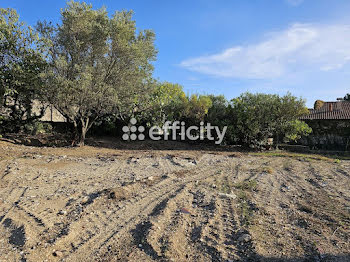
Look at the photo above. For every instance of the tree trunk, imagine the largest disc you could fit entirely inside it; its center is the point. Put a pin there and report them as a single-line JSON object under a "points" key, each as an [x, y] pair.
{"points": [[82, 137], [84, 129], [76, 134], [81, 130]]}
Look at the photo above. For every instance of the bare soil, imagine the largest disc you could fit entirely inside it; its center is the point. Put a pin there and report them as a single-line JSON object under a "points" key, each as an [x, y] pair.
{"points": [[192, 204]]}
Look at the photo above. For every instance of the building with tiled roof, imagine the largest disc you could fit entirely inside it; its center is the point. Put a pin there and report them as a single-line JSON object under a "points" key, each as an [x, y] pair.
{"points": [[330, 123], [339, 110]]}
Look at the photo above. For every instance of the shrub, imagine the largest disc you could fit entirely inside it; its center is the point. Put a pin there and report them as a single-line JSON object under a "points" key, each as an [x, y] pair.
{"points": [[37, 127], [295, 129], [257, 117]]}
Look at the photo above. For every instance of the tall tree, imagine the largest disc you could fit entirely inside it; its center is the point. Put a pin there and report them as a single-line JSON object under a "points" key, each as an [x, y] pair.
{"points": [[21, 61], [217, 113], [97, 65], [196, 108], [257, 117], [167, 103]]}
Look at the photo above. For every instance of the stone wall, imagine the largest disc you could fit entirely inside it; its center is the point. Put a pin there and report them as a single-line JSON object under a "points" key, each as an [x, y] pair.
{"points": [[328, 135]]}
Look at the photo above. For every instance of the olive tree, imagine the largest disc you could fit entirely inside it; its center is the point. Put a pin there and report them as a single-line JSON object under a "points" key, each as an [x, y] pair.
{"points": [[98, 65], [21, 61]]}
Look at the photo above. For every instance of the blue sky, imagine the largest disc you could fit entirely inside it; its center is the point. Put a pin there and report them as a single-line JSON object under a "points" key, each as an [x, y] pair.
{"points": [[229, 47]]}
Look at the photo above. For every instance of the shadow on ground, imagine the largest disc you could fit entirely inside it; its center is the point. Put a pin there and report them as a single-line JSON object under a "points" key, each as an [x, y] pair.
{"points": [[61, 140]]}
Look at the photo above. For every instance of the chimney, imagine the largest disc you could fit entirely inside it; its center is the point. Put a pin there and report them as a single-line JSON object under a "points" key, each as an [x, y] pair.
{"points": [[330, 107]]}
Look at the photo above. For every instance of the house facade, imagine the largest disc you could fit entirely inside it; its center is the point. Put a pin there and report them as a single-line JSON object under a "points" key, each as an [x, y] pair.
{"points": [[51, 114], [330, 122]]}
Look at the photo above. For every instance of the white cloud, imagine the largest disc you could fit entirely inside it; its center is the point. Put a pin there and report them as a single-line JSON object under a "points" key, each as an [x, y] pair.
{"points": [[192, 78], [300, 48], [294, 2]]}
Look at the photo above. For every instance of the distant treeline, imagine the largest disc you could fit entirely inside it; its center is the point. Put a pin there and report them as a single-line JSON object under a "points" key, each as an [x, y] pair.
{"points": [[97, 70]]}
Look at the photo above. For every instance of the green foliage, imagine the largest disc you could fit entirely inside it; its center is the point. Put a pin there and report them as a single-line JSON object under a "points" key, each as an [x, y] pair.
{"points": [[249, 185], [299, 156], [296, 129], [252, 122], [217, 113], [107, 126], [21, 61], [1, 123], [256, 117], [167, 103], [318, 104], [37, 127], [94, 68], [196, 108], [98, 65]]}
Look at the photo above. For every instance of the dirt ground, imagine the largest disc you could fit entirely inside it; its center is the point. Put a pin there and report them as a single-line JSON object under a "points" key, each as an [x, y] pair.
{"points": [[190, 204]]}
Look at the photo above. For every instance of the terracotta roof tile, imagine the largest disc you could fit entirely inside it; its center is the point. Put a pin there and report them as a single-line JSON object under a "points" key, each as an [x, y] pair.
{"points": [[330, 111]]}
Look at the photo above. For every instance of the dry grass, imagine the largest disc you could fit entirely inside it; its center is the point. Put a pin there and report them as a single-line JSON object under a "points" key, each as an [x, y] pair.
{"points": [[304, 157]]}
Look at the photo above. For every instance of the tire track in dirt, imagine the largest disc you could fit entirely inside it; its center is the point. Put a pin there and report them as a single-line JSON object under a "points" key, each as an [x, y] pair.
{"points": [[291, 201], [194, 177], [222, 232], [209, 232], [138, 205], [175, 207], [165, 193], [141, 231]]}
